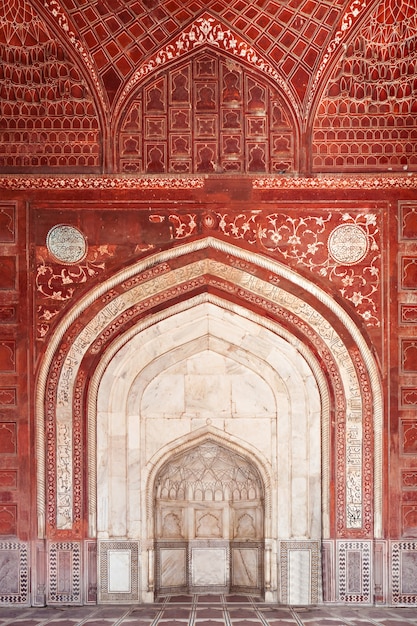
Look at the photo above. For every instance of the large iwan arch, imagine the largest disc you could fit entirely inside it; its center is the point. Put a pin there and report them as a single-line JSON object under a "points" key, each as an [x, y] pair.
{"points": [[178, 316]]}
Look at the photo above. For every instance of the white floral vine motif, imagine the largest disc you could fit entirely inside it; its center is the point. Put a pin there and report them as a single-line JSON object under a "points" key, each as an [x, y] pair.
{"points": [[241, 226], [57, 283], [304, 241], [45, 316], [185, 225], [207, 30]]}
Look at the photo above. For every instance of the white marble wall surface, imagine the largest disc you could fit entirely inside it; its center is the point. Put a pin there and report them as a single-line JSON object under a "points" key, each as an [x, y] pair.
{"points": [[208, 367]]}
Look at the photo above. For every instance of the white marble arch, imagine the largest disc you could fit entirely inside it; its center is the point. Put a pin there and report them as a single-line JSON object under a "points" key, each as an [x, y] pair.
{"points": [[221, 368], [111, 310], [263, 392]]}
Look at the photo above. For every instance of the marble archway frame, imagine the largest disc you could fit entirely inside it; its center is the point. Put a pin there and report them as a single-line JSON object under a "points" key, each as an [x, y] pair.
{"points": [[236, 275], [136, 360], [203, 435]]}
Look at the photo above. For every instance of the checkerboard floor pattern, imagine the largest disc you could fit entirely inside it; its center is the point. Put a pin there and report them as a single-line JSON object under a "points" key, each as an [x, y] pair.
{"points": [[208, 610]]}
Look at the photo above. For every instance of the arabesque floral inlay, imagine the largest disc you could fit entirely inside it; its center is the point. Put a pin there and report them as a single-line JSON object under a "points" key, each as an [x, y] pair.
{"points": [[57, 283], [304, 241]]}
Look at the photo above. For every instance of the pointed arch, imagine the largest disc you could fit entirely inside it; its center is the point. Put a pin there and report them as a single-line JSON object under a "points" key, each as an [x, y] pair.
{"points": [[310, 315], [201, 111], [206, 30], [207, 434], [148, 348]]}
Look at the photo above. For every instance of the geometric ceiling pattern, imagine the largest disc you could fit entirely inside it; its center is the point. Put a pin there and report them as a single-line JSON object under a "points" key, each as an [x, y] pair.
{"points": [[120, 34], [367, 118], [341, 72]]}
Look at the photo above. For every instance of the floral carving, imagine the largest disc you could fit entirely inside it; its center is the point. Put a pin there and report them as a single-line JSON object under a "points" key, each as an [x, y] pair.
{"points": [[57, 283], [197, 182], [304, 241], [182, 226], [100, 182]]}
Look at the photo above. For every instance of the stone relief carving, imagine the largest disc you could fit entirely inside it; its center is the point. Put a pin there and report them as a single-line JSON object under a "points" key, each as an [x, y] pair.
{"points": [[354, 562], [66, 243], [14, 572], [209, 31], [172, 525], [237, 276], [208, 525], [209, 472], [258, 288], [246, 526]]}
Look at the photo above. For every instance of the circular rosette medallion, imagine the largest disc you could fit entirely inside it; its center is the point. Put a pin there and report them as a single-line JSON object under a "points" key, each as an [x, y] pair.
{"points": [[348, 244], [66, 243]]}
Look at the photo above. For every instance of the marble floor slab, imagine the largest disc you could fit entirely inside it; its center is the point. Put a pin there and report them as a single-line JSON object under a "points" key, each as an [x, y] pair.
{"points": [[208, 610]]}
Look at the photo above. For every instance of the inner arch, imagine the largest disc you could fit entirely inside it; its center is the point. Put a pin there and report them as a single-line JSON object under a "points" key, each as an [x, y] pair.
{"points": [[287, 432]]}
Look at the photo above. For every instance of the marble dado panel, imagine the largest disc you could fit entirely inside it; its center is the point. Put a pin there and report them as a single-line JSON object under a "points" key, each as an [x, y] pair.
{"points": [[65, 572], [300, 572], [14, 573], [404, 573], [118, 567], [209, 566], [353, 572], [354, 559], [258, 287]]}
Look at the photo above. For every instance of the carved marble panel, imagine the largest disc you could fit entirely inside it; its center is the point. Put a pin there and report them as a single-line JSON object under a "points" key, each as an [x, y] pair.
{"points": [[209, 567], [328, 570], [404, 572], [246, 566], [354, 562], [118, 572], [14, 573], [171, 523], [65, 572], [299, 572], [90, 570], [172, 567]]}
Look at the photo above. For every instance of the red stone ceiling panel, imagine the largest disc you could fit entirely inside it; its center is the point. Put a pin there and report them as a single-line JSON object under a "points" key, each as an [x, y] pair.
{"points": [[48, 118], [131, 31], [206, 115], [367, 119]]}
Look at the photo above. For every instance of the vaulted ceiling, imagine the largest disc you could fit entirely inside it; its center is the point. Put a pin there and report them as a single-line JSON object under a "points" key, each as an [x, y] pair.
{"points": [[337, 83]]}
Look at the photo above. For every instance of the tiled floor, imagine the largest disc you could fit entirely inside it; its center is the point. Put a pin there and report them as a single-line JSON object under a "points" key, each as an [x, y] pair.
{"points": [[208, 611]]}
